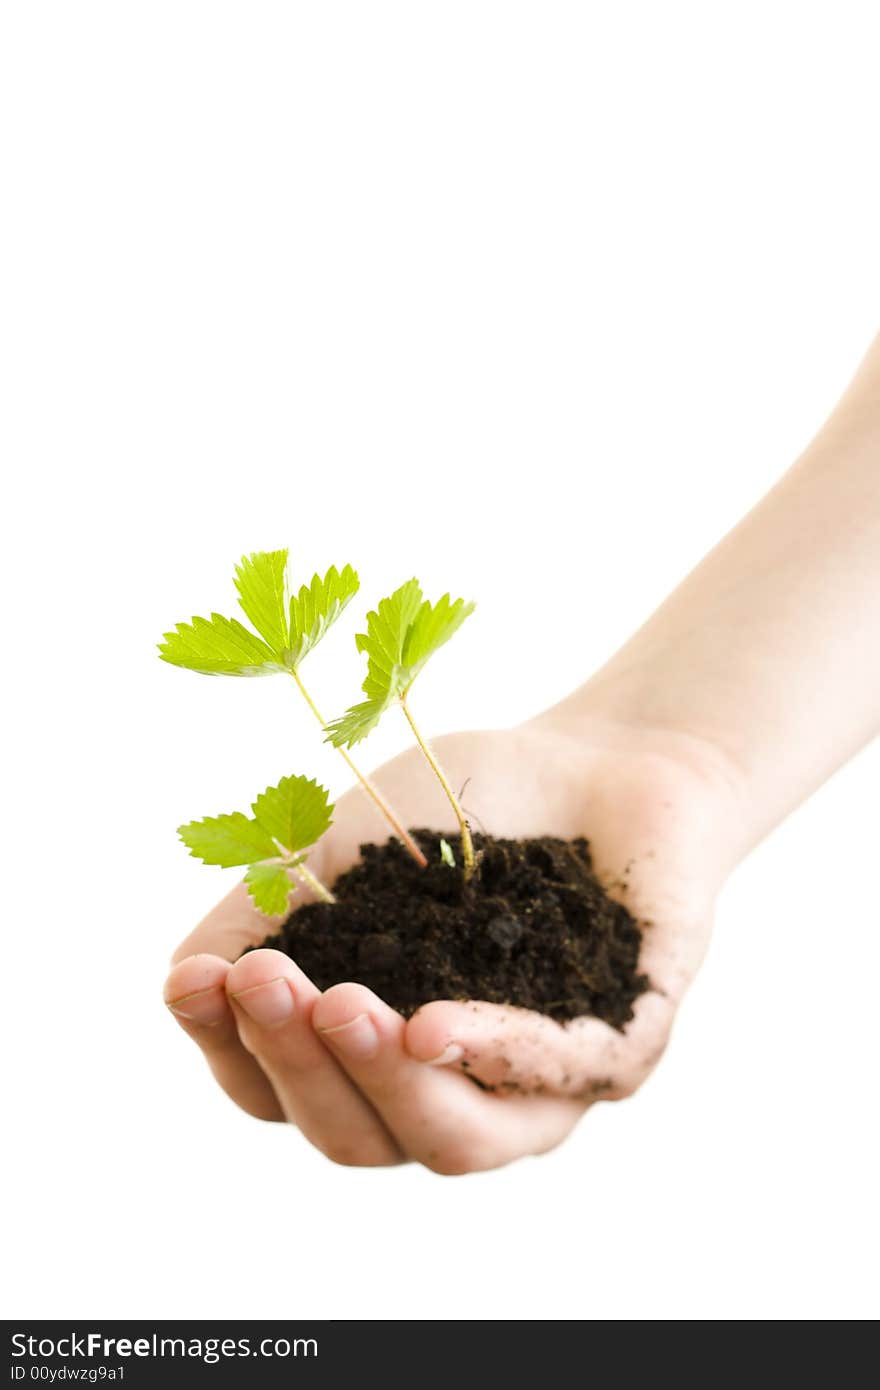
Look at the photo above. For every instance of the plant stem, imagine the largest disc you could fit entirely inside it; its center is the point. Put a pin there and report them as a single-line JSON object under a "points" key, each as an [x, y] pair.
{"points": [[467, 844], [369, 787], [314, 883]]}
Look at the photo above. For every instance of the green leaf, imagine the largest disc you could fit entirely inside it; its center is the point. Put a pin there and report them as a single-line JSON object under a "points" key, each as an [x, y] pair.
{"points": [[295, 813], [218, 647], [270, 887], [446, 853], [359, 721], [315, 609], [433, 627], [402, 634], [224, 647], [227, 840], [261, 581]]}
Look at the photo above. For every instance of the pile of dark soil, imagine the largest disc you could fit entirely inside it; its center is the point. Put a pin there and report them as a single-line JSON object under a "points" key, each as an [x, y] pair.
{"points": [[533, 927]]}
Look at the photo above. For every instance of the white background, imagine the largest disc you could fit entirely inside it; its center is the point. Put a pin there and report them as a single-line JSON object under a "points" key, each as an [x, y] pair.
{"points": [[533, 300]]}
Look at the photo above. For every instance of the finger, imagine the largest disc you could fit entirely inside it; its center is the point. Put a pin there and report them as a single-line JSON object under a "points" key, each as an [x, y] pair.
{"points": [[195, 993], [516, 1050], [435, 1114], [273, 1000]]}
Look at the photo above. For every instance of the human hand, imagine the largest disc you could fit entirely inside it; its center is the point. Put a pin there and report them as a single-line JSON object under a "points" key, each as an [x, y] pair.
{"points": [[370, 1088]]}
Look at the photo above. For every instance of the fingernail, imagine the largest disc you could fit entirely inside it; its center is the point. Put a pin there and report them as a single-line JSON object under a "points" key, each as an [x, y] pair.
{"points": [[450, 1053], [205, 1006], [270, 1004], [358, 1038]]}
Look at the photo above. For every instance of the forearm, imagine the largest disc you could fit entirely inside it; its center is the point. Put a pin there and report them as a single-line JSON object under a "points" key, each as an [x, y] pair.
{"points": [[770, 650]]}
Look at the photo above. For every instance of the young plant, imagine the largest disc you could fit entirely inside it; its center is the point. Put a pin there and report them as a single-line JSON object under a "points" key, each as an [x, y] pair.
{"points": [[289, 627], [402, 635], [287, 820]]}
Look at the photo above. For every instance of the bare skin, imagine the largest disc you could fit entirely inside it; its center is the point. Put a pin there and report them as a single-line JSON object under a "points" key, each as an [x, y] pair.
{"points": [[755, 680]]}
